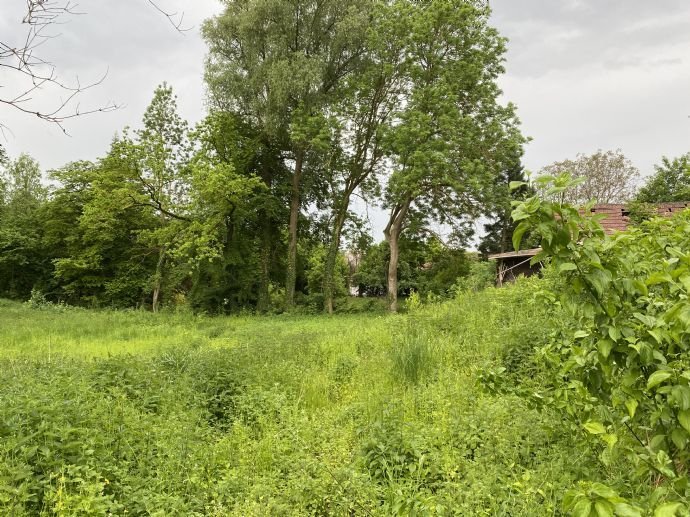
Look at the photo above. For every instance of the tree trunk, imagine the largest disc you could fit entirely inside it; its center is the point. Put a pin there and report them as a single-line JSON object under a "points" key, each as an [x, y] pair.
{"points": [[263, 301], [266, 240], [392, 235], [295, 202], [331, 257], [158, 280], [393, 270]]}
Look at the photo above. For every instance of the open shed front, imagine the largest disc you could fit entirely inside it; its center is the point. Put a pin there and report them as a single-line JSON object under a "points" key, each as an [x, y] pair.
{"points": [[512, 264]]}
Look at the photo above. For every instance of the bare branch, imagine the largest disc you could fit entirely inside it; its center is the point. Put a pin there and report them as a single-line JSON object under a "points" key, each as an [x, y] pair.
{"points": [[21, 62], [175, 19]]}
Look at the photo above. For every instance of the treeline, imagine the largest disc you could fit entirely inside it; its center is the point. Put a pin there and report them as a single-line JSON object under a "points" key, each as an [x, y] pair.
{"points": [[310, 104]]}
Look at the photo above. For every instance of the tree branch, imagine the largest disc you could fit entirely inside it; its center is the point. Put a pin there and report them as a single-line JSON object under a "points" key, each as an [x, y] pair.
{"points": [[20, 61]]}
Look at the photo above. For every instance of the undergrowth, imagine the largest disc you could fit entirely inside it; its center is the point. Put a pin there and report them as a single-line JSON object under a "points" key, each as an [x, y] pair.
{"points": [[142, 414]]}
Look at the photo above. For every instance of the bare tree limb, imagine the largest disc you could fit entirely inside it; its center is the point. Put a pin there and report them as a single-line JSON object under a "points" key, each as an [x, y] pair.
{"points": [[175, 19], [35, 75]]}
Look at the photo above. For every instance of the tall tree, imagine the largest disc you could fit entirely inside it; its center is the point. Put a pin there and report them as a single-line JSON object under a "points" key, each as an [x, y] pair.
{"points": [[670, 181], [279, 64], [228, 138], [364, 113], [22, 194], [159, 212], [605, 177], [152, 164], [451, 137], [91, 232]]}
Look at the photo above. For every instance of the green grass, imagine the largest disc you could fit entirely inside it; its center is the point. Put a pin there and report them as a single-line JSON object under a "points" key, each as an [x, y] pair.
{"points": [[88, 333], [174, 414]]}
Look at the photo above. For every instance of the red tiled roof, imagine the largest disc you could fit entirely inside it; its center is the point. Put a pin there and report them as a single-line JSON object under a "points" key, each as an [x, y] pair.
{"points": [[617, 214], [616, 220]]}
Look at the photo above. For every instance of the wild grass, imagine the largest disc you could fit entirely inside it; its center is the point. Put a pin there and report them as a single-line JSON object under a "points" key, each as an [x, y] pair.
{"points": [[175, 414]]}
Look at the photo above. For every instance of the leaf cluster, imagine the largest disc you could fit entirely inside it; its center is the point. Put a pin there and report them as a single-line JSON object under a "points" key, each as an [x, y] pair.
{"points": [[621, 364]]}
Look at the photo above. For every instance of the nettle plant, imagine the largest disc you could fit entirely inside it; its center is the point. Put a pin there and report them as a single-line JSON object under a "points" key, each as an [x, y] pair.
{"points": [[621, 364]]}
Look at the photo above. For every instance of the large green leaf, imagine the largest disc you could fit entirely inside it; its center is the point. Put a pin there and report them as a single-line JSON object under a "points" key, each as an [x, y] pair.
{"points": [[582, 508], [595, 427], [567, 266], [518, 233], [603, 509], [667, 509], [658, 377], [684, 419], [626, 510]]}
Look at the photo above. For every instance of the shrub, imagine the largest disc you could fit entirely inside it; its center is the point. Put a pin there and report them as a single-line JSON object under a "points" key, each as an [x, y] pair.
{"points": [[619, 363], [482, 274]]}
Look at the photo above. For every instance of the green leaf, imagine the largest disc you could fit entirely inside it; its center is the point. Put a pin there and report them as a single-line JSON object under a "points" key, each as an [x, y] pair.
{"points": [[681, 395], [631, 405], [603, 509], [580, 334], [610, 439], [582, 508], [605, 347], [685, 280], [679, 438], [599, 279], [667, 509], [595, 427], [641, 287], [626, 510], [603, 491], [514, 185], [567, 266], [644, 318], [657, 378], [518, 233], [684, 419], [656, 334], [658, 278], [657, 442], [614, 334]]}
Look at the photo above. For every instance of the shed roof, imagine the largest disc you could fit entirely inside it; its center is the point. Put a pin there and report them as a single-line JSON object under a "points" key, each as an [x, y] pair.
{"points": [[510, 254]]}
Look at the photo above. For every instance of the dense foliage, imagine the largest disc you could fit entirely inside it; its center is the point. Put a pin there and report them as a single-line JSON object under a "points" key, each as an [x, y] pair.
{"points": [[561, 395], [310, 104], [619, 365], [185, 415], [670, 182]]}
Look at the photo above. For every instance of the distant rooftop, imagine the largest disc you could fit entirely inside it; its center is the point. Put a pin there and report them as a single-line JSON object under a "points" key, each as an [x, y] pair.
{"points": [[617, 220], [618, 215]]}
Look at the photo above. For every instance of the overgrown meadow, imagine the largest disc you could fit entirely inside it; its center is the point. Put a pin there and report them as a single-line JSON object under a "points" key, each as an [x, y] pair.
{"points": [[562, 395], [173, 414]]}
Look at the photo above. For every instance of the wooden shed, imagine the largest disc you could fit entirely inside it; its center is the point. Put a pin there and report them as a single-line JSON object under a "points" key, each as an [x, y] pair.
{"points": [[512, 264]]}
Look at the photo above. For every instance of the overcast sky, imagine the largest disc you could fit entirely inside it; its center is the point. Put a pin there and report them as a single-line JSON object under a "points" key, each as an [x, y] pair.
{"points": [[590, 74], [585, 74]]}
